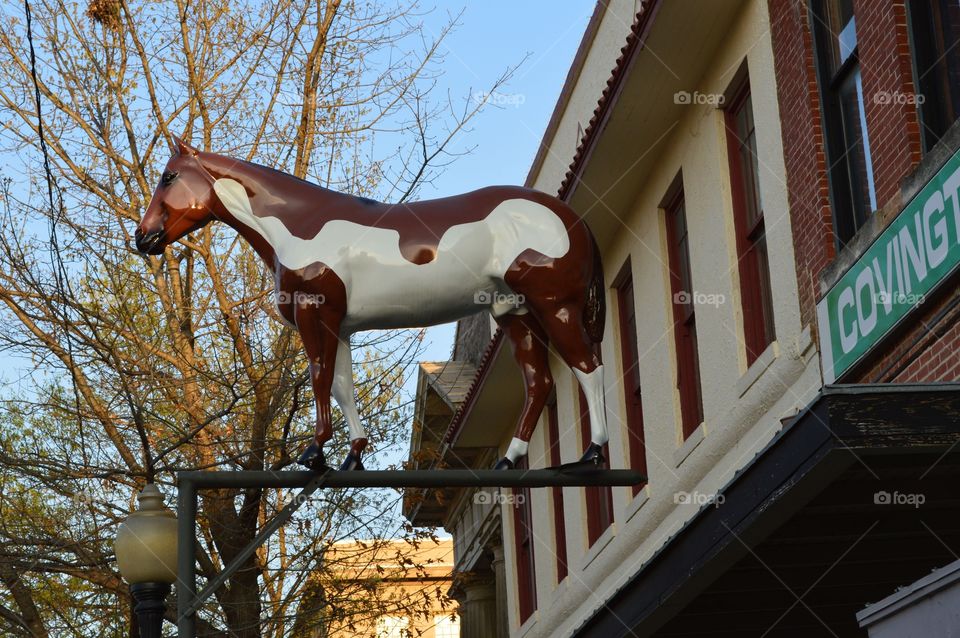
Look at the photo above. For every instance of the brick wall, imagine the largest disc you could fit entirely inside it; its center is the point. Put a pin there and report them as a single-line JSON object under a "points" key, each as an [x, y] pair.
{"points": [[929, 348], [808, 191], [889, 95]]}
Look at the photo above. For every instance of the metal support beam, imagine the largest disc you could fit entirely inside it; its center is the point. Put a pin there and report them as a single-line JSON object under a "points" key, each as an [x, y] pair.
{"points": [[186, 557], [188, 483]]}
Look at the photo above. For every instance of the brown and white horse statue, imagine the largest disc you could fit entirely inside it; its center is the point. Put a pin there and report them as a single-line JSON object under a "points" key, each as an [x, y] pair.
{"points": [[342, 264]]}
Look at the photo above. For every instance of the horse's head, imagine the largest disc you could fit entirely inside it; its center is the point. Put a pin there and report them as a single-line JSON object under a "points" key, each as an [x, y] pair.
{"points": [[182, 203]]}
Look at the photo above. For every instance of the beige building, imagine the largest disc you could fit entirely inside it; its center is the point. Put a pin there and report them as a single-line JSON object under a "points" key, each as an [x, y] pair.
{"points": [[629, 151], [400, 589], [774, 505]]}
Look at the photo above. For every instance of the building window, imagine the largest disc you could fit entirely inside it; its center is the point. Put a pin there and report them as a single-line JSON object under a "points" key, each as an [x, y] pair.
{"points": [[599, 499], [684, 315], [629, 355], [752, 256], [936, 47], [841, 90], [523, 537], [393, 627], [559, 524], [447, 626]]}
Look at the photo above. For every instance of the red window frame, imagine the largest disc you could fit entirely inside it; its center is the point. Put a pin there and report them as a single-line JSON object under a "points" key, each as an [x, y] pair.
{"points": [[752, 255], [684, 314], [599, 499], [523, 544], [559, 522], [629, 355]]}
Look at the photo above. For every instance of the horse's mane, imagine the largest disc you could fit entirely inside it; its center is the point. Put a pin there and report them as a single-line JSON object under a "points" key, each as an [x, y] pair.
{"points": [[278, 173]]}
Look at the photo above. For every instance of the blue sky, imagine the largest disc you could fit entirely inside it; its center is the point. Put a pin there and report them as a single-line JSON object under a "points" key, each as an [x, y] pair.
{"points": [[494, 35]]}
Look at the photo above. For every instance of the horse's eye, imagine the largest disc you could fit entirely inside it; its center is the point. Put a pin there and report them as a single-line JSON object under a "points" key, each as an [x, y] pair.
{"points": [[168, 177]]}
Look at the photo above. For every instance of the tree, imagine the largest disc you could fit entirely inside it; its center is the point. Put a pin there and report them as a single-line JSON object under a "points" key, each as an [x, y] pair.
{"points": [[142, 366]]}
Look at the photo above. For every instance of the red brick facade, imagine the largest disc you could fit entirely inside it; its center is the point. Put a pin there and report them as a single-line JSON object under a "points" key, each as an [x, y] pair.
{"points": [[806, 163], [887, 69], [929, 348]]}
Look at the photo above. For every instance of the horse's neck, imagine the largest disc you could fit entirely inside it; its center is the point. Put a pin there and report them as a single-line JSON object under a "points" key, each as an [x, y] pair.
{"points": [[271, 187], [264, 219]]}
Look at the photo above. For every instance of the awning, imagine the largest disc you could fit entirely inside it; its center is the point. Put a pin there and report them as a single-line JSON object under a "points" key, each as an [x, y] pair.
{"points": [[856, 497]]}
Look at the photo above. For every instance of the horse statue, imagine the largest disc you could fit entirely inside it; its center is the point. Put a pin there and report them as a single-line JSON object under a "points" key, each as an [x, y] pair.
{"points": [[342, 264]]}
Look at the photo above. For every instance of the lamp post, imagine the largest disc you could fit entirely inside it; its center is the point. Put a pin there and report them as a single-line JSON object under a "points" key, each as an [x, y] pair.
{"points": [[146, 549]]}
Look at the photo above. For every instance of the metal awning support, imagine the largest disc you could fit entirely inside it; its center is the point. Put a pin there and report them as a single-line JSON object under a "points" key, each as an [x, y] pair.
{"points": [[189, 483]]}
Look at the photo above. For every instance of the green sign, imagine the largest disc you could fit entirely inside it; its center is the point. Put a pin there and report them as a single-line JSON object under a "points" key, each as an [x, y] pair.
{"points": [[910, 258]]}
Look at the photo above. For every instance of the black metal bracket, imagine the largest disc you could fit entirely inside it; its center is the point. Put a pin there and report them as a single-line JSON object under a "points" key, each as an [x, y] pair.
{"points": [[189, 483]]}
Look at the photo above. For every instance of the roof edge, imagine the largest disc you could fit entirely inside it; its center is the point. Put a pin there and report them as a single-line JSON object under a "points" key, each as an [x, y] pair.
{"points": [[628, 53], [566, 91]]}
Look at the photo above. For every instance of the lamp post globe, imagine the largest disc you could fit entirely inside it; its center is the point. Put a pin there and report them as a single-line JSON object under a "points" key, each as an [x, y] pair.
{"points": [[146, 550]]}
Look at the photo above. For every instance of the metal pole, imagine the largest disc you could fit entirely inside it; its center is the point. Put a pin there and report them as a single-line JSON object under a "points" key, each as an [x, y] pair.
{"points": [[188, 602], [550, 477], [186, 555], [273, 525], [150, 606]]}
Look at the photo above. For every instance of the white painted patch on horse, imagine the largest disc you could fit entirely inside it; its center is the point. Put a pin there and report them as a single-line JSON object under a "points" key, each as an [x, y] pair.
{"points": [[593, 390], [385, 290]]}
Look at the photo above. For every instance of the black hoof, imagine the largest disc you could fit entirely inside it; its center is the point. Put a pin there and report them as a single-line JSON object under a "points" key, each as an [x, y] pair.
{"points": [[352, 462], [594, 455], [504, 464], [312, 458]]}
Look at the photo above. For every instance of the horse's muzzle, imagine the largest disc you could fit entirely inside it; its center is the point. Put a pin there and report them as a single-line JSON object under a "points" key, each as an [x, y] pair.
{"points": [[149, 243]]}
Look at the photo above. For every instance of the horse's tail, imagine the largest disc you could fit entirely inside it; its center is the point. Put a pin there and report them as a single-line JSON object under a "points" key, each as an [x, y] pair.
{"points": [[595, 309]]}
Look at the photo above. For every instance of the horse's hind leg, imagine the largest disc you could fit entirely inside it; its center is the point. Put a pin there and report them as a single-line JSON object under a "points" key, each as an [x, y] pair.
{"points": [[564, 325], [529, 343]]}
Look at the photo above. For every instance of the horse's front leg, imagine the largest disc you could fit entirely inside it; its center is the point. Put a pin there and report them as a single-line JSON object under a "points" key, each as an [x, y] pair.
{"points": [[319, 327], [343, 394]]}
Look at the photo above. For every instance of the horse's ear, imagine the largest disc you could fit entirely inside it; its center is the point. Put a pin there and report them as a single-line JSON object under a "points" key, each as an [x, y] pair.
{"points": [[182, 147]]}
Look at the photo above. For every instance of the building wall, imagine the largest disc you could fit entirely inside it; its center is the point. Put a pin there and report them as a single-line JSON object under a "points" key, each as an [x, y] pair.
{"points": [[887, 68], [743, 407], [925, 351], [805, 163], [400, 588]]}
